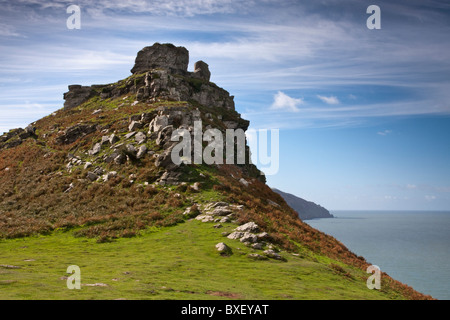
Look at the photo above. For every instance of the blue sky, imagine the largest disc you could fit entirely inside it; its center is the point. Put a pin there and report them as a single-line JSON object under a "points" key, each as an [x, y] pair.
{"points": [[364, 115]]}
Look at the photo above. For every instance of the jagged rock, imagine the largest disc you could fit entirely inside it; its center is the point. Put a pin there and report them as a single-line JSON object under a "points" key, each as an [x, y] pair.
{"points": [[75, 132], [225, 220], [258, 246], [87, 165], [158, 123], [204, 218], [263, 236], [165, 160], [113, 139], [120, 159], [141, 152], [135, 117], [220, 211], [248, 227], [131, 150], [98, 171], [231, 124], [109, 175], [169, 177], [129, 135], [105, 140], [110, 158], [213, 205], [164, 56], [235, 235], [95, 150], [201, 70], [140, 137], [244, 182], [223, 249], [249, 237], [135, 125], [147, 117], [30, 130], [91, 176], [76, 95]]}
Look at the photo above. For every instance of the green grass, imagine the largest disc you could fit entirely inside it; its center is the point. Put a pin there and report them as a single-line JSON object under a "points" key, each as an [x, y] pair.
{"points": [[177, 262]]}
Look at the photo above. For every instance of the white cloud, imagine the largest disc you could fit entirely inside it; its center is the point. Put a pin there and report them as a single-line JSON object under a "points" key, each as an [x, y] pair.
{"points": [[384, 133], [329, 100], [8, 31], [283, 102], [430, 198]]}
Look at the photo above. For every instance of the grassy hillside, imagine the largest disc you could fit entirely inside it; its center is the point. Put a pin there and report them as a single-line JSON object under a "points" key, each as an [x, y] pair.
{"points": [[178, 262]]}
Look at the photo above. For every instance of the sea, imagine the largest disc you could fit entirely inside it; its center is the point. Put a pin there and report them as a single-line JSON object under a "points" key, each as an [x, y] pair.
{"points": [[410, 246]]}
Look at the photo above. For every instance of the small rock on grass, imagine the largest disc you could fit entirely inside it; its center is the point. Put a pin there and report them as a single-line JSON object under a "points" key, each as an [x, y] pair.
{"points": [[223, 249]]}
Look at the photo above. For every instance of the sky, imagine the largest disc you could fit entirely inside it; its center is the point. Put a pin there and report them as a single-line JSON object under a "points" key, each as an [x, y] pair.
{"points": [[363, 114]]}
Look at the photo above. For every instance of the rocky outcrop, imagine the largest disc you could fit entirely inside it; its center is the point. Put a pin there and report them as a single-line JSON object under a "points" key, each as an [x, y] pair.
{"points": [[160, 73], [15, 137], [75, 132], [162, 56], [201, 71], [76, 95]]}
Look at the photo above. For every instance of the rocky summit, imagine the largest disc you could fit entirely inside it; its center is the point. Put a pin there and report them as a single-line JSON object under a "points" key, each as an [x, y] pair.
{"points": [[97, 177]]}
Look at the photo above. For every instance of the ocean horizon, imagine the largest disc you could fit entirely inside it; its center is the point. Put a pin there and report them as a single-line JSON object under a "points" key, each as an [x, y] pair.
{"points": [[410, 246]]}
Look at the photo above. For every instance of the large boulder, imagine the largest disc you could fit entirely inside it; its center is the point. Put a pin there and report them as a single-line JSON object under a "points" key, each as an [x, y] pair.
{"points": [[162, 56], [75, 132], [201, 70]]}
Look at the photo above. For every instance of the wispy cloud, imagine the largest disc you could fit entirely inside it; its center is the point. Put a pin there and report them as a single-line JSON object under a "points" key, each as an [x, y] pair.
{"points": [[282, 101], [384, 133], [8, 31], [329, 100]]}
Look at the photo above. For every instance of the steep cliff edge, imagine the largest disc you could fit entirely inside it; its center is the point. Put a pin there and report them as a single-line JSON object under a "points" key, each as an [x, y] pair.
{"points": [[306, 209]]}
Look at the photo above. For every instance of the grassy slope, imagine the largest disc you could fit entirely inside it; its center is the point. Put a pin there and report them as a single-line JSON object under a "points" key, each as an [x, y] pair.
{"points": [[178, 262]]}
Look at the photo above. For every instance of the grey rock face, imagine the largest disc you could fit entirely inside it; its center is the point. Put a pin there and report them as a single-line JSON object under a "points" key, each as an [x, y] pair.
{"points": [[164, 56], [76, 95], [95, 150], [134, 125], [249, 237], [201, 70], [248, 227], [75, 132], [91, 176], [140, 137], [141, 152]]}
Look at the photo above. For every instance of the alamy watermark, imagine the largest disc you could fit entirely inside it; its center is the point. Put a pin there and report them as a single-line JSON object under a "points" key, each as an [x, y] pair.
{"points": [[74, 281], [374, 281], [189, 148], [74, 21], [374, 21]]}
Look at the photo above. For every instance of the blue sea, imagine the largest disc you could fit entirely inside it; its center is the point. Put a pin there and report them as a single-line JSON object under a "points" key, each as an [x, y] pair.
{"points": [[410, 246]]}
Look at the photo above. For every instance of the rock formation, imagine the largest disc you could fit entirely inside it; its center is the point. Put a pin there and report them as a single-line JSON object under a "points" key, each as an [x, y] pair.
{"points": [[160, 73]]}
